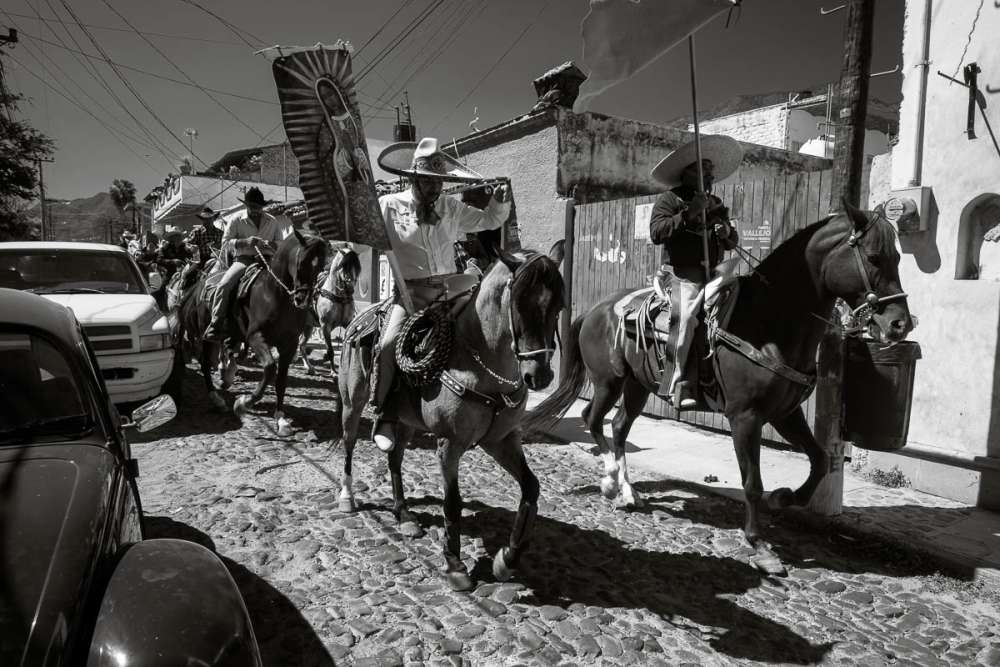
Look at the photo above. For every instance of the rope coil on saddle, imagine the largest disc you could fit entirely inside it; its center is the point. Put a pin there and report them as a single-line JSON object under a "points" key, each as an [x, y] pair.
{"points": [[425, 342]]}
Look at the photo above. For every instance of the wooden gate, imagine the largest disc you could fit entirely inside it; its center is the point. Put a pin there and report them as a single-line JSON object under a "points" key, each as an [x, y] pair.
{"points": [[611, 249]]}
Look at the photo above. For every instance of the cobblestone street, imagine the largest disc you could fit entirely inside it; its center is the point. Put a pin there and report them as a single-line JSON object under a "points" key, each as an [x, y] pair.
{"points": [[668, 585]]}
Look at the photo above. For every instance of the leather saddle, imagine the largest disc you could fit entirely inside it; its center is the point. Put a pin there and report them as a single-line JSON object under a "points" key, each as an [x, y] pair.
{"points": [[247, 280], [367, 324]]}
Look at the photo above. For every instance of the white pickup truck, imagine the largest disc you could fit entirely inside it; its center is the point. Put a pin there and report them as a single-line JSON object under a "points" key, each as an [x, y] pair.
{"points": [[107, 292]]}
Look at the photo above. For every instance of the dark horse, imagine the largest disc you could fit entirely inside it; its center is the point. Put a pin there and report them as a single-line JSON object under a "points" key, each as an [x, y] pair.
{"points": [[782, 310], [273, 314], [504, 339]]}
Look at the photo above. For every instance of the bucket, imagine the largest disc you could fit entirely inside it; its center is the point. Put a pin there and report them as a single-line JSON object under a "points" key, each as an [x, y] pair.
{"points": [[878, 393]]}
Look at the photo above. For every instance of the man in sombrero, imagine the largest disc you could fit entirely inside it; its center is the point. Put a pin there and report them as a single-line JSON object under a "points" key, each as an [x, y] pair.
{"points": [[676, 223], [423, 227], [256, 229]]}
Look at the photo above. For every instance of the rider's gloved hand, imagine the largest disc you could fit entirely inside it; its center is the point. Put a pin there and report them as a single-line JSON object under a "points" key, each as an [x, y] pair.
{"points": [[501, 193], [697, 204]]}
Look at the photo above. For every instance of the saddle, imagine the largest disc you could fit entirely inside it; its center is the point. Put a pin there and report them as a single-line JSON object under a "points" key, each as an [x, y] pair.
{"points": [[367, 323], [247, 279]]}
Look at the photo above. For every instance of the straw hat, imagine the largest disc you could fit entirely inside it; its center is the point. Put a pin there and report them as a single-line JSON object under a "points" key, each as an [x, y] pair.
{"points": [[402, 157], [725, 153], [207, 214]]}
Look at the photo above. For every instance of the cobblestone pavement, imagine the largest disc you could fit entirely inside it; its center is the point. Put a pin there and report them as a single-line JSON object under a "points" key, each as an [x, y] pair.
{"points": [[669, 585]]}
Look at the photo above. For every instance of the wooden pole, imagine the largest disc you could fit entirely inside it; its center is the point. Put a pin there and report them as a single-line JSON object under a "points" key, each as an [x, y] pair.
{"points": [[697, 151], [569, 242], [848, 163], [848, 151]]}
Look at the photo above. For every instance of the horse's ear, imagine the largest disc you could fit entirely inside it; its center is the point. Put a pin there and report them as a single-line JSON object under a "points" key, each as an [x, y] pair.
{"points": [[298, 236], [509, 260], [859, 217], [558, 251]]}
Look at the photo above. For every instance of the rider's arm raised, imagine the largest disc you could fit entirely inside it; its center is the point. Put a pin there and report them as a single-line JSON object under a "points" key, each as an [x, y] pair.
{"points": [[471, 219]]}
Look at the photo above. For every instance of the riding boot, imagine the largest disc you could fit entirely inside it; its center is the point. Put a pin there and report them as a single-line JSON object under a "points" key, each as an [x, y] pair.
{"points": [[217, 329]]}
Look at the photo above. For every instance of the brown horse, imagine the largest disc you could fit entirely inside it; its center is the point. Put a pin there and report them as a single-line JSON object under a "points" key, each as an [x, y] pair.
{"points": [[782, 310], [273, 314], [504, 339]]}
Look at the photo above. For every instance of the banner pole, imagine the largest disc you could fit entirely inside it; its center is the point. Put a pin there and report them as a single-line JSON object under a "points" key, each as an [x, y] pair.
{"points": [[697, 149]]}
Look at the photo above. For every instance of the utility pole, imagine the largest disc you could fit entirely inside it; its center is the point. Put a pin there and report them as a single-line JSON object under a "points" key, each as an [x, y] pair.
{"points": [[44, 232], [848, 151]]}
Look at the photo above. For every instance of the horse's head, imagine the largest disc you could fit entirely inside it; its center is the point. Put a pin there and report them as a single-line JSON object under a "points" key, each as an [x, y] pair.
{"points": [[303, 258], [344, 270], [536, 297], [863, 270]]}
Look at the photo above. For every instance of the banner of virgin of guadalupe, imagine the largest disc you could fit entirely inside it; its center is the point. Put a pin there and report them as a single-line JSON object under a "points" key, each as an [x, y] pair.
{"points": [[319, 109]]}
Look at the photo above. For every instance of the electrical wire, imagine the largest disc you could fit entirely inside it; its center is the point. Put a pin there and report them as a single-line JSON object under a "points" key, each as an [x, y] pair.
{"points": [[494, 66], [127, 83], [40, 18], [394, 44], [236, 30], [385, 24], [182, 72]]}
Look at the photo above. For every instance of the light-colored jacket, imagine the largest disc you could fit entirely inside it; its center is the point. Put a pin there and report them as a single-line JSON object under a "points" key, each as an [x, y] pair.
{"points": [[270, 229], [429, 250]]}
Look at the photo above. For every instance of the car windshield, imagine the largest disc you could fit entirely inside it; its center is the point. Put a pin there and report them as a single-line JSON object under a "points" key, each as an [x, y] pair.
{"points": [[41, 396], [69, 271]]}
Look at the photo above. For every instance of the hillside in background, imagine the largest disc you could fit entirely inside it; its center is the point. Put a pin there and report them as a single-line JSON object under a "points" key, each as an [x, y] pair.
{"points": [[79, 219]]}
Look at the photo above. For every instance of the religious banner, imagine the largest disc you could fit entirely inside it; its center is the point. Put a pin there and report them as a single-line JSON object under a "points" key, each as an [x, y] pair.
{"points": [[621, 37], [319, 109]]}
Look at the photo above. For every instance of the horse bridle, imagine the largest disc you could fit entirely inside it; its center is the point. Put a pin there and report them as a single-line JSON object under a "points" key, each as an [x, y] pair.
{"points": [[545, 352], [307, 288], [865, 312]]}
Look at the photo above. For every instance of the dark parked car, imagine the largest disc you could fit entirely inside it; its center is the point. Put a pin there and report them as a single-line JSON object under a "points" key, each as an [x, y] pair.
{"points": [[78, 583]]}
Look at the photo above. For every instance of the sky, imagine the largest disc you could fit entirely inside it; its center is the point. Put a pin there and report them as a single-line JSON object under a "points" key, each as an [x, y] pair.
{"points": [[469, 59]]}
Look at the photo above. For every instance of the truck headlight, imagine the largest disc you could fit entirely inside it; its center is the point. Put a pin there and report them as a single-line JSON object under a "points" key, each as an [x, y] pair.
{"points": [[153, 342]]}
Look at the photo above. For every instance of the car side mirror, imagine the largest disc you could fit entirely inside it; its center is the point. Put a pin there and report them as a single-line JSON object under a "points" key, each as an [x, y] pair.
{"points": [[155, 280], [155, 413]]}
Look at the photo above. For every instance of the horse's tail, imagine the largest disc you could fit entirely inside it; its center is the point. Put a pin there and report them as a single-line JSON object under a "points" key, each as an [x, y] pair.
{"points": [[551, 410]]}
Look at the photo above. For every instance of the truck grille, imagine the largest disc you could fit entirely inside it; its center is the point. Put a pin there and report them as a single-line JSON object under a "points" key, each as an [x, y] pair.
{"points": [[110, 338]]}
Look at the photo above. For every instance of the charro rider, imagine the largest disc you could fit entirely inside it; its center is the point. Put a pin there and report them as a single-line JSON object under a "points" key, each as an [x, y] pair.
{"points": [[423, 228], [676, 224], [256, 230], [207, 238]]}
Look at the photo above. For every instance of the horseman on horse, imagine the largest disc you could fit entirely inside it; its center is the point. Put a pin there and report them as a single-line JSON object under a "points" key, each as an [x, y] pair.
{"points": [[255, 235], [423, 228]]}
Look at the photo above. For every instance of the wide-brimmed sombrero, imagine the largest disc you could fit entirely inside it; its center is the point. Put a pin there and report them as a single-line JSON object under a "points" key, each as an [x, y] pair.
{"points": [[170, 231], [402, 157], [725, 153], [255, 197]]}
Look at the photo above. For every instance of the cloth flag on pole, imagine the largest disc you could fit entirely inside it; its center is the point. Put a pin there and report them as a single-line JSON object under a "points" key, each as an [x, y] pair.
{"points": [[621, 37], [319, 109]]}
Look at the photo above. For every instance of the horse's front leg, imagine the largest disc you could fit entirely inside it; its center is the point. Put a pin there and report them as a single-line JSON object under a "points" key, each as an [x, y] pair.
{"points": [[746, 427], [205, 361], [304, 351], [352, 392], [263, 353], [329, 350], [795, 430], [449, 455], [283, 425], [510, 455], [399, 509]]}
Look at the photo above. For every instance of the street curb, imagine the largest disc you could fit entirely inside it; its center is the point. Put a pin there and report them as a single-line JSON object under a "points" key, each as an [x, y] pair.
{"points": [[957, 565]]}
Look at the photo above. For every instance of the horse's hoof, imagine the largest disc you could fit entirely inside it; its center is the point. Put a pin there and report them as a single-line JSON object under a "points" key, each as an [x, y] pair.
{"points": [[609, 487], [780, 499], [347, 506], [217, 401], [284, 428], [502, 571], [460, 581], [622, 503], [767, 562]]}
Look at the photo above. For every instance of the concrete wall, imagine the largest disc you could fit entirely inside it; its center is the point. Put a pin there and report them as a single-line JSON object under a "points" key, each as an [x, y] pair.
{"points": [[956, 404], [767, 126]]}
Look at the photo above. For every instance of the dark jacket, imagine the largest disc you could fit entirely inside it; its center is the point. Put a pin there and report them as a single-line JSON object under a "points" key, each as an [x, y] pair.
{"points": [[681, 240]]}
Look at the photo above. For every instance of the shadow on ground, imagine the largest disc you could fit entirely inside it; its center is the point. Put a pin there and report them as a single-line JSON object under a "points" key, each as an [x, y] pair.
{"points": [[284, 635]]}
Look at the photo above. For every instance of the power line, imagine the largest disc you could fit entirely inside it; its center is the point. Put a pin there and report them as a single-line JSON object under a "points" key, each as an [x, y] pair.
{"points": [[495, 65], [424, 35], [125, 81], [40, 18], [152, 74], [394, 44], [183, 73], [385, 24], [239, 32], [91, 69]]}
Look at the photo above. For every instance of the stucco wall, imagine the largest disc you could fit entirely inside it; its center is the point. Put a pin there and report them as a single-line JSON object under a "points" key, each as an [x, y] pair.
{"points": [[767, 126], [610, 158], [955, 405], [530, 163]]}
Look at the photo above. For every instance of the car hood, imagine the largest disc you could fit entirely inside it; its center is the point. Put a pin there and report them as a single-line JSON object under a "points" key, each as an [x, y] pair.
{"points": [[51, 521], [105, 308]]}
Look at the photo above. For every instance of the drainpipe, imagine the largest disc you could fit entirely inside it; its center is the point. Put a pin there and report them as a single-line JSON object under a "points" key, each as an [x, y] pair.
{"points": [[954, 459], [924, 64]]}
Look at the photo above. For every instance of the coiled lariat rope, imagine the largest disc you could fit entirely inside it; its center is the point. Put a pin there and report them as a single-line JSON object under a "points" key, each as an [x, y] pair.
{"points": [[425, 342]]}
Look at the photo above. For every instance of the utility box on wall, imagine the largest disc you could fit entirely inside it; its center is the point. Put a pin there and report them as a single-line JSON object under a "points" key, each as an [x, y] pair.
{"points": [[911, 209]]}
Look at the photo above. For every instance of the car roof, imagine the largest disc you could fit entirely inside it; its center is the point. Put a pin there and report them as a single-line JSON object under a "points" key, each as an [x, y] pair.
{"points": [[27, 309], [60, 245]]}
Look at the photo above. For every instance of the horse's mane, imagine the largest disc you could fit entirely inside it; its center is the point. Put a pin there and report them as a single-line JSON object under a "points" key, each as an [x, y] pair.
{"points": [[349, 261], [792, 250]]}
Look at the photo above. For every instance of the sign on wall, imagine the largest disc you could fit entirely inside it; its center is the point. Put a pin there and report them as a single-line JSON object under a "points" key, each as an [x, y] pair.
{"points": [[643, 213]]}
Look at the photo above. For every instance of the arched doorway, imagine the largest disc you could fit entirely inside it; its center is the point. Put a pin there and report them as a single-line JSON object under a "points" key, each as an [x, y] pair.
{"points": [[979, 240]]}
